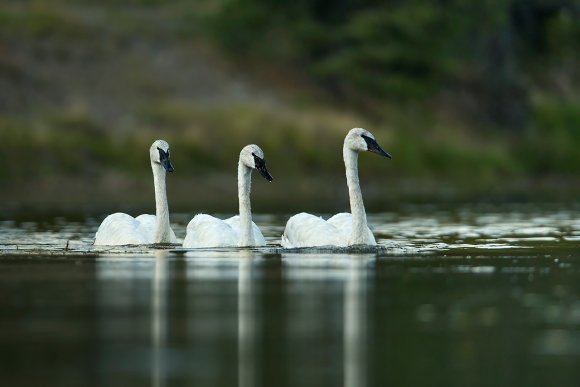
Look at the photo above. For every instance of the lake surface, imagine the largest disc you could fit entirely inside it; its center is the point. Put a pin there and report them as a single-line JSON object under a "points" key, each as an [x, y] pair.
{"points": [[464, 296]]}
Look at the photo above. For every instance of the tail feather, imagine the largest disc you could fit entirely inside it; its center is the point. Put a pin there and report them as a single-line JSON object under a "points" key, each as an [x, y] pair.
{"points": [[285, 242]]}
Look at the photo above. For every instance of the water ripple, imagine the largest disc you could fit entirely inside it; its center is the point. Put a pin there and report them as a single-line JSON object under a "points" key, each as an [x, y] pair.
{"points": [[412, 232]]}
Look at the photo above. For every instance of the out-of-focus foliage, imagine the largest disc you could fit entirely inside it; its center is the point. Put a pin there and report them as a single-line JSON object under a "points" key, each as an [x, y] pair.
{"points": [[496, 51]]}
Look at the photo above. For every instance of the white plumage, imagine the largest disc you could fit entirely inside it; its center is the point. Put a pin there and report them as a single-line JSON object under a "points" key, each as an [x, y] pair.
{"points": [[344, 229], [208, 231], [123, 229], [307, 230]]}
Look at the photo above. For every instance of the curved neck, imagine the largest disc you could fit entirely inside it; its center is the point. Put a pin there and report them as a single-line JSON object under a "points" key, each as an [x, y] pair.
{"points": [[244, 188], [162, 229], [357, 208]]}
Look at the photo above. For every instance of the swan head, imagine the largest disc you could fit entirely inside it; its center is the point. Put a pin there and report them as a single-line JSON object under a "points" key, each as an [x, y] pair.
{"points": [[252, 156], [159, 153], [361, 140]]}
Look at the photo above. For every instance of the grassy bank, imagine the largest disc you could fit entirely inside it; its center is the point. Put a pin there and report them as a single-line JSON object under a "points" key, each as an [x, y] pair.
{"points": [[296, 140]]}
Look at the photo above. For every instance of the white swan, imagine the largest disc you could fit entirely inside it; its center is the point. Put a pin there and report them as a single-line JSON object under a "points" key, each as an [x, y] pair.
{"points": [[123, 229], [238, 231], [344, 229]]}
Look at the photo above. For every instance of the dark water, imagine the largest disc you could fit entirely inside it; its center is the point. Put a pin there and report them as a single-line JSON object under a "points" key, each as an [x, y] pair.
{"points": [[454, 297]]}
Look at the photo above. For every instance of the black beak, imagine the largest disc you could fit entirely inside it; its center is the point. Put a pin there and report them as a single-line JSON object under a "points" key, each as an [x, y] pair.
{"points": [[261, 167], [167, 165], [264, 172], [373, 147], [164, 160]]}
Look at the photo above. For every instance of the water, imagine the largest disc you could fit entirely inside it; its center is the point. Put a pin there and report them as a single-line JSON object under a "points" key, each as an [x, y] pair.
{"points": [[462, 296]]}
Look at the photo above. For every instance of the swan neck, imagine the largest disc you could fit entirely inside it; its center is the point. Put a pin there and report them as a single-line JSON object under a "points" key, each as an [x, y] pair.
{"points": [[162, 229], [244, 189], [357, 208]]}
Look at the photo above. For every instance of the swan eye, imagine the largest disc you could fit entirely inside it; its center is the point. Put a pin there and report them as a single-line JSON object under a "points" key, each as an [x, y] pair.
{"points": [[373, 146], [163, 155], [371, 143], [259, 162], [260, 165], [164, 160]]}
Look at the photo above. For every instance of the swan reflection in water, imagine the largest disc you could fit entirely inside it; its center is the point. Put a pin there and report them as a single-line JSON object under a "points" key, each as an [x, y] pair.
{"points": [[159, 320], [246, 323], [306, 316], [355, 324], [350, 273], [121, 290]]}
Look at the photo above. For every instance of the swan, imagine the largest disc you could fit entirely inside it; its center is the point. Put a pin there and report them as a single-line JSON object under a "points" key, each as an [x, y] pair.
{"points": [[123, 229], [344, 229], [238, 231]]}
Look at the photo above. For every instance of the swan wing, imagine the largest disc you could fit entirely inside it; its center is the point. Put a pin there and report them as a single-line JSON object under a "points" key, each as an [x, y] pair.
{"points": [[148, 226], [207, 231], [343, 221], [306, 230], [259, 239], [234, 222], [119, 229]]}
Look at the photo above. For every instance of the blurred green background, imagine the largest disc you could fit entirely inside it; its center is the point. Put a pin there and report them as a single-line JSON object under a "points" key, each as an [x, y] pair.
{"points": [[475, 100]]}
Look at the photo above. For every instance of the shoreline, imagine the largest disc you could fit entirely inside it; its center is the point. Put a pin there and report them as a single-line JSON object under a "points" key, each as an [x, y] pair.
{"points": [[69, 196]]}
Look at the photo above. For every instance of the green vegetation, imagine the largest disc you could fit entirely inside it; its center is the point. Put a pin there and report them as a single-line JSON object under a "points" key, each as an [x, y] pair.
{"points": [[499, 51], [208, 139], [465, 96]]}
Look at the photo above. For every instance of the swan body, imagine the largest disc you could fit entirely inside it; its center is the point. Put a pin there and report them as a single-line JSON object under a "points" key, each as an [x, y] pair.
{"points": [[344, 229], [238, 231], [123, 229], [307, 230], [208, 231]]}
